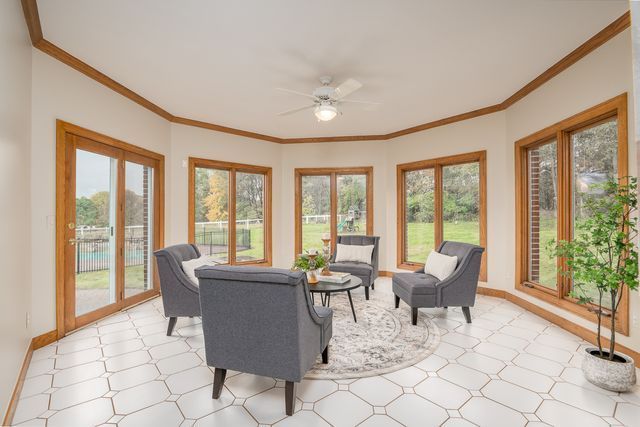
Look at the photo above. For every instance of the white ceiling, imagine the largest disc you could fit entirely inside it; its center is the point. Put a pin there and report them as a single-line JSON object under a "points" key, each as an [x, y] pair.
{"points": [[220, 61]]}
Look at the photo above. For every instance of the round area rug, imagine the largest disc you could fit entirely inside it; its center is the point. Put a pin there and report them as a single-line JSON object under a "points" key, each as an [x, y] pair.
{"points": [[382, 341]]}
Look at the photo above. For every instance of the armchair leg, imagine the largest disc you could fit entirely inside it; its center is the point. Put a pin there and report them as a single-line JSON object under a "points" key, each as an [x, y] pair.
{"points": [[414, 315], [172, 324], [366, 293], [397, 298], [325, 355], [218, 381], [467, 314], [290, 396], [373, 285]]}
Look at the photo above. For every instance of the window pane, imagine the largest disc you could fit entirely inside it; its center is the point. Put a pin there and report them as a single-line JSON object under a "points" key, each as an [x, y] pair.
{"points": [[543, 213], [249, 216], [352, 204], [594, 161], [96, 201], [138, 228], [316, 211], [461, 203], [419, 215], [212, 212]]}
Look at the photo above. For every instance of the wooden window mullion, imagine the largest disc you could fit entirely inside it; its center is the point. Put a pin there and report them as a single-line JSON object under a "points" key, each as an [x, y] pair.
{"points": [[333, 213], [232, 216], [438, 214]]}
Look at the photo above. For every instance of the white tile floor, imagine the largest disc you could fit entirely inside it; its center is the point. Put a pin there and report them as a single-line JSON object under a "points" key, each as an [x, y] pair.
{"points": [[509, 368]]}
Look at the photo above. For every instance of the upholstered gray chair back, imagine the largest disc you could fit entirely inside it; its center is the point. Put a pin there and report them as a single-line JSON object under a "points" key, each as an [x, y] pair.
{"points": [[363, 241], [259, 320], [179, 294], [459, 289]]}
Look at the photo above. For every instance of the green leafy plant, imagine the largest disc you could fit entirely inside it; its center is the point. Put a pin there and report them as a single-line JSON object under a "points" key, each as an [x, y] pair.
{"points": [[602, 253], [303, 262]]}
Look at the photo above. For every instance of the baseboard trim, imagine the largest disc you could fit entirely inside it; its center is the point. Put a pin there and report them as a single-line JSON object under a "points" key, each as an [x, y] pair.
{"points": [[584, 333], [44, 339], [15, 396], [385, 273]]}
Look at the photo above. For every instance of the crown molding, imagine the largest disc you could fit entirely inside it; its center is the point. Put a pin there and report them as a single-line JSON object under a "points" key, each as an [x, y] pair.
{"points": [[32, 18]]}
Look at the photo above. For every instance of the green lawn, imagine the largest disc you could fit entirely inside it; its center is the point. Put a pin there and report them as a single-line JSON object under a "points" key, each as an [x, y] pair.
{"points": [[133, 278], [421, 237], [257, 242]]}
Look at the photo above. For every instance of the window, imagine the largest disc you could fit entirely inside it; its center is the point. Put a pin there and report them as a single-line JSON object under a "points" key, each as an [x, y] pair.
{"points": [[440, 199], [556, 169], [331, 202], [230, 211]]}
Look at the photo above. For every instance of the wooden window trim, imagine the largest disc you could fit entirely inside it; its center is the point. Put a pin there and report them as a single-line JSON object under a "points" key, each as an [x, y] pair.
{"points": [[437, 164], [126, 152], [333, 174], [561, 132], [233, 169]]}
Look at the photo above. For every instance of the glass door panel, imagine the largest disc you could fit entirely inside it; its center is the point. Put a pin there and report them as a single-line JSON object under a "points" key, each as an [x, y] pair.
{"points": [[419, 189], [138, 229], [543, 213], [212, 212], [316, 210], [352, 204], [96, 178], [250, 217], [461, 203]]}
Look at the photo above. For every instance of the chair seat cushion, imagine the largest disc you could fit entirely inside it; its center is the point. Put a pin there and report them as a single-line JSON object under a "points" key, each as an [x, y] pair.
{"points": [[359, 269], [416, 283]]}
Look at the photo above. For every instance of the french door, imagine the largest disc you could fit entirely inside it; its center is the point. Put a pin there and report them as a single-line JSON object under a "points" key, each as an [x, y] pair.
{"points": [[109, 223]]}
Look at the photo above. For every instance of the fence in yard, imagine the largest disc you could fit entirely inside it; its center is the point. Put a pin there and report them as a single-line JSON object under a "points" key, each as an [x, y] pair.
{"points": [[216, 241], [94, 254]]}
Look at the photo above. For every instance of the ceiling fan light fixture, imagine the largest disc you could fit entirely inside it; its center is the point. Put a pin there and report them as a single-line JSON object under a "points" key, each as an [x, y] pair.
{"points": [[326, 112]]}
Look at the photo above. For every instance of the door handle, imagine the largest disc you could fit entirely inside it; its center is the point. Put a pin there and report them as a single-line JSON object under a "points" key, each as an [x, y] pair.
{"points": [[72, 242]]}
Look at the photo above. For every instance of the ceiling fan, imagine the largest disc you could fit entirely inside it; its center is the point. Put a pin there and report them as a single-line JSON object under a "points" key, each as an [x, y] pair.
{"points": [[327, 98]]}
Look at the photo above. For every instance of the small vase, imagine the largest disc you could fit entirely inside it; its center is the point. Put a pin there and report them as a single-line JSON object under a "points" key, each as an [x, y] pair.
{"points": [[614, 375], [311, 277]]}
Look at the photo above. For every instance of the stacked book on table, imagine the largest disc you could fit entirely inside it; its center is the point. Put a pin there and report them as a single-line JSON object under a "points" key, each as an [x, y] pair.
{"points": [[335, 277]]}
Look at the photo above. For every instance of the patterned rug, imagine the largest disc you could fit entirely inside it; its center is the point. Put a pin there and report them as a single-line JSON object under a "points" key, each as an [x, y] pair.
{"points": [[382, 341]]}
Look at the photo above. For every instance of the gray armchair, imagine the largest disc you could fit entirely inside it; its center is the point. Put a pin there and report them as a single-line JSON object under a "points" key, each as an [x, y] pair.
{"points": [[261, 321], [458, 290], [368, 273], [180, 297]]}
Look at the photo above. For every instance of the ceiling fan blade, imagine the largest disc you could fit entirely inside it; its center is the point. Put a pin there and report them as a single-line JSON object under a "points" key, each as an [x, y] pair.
{"points": [[346, 88], [295, 92], [295, 110], [369, 105]]}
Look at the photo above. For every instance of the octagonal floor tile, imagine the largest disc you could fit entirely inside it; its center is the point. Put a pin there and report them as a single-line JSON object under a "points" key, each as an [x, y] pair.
{"points": [[78, 393], [380, 421], [40, 367], [412, 410], [314, 390], [169, 349], [267, 407], [126, 361], [119, 336], [188, 380], [122, 347], [628, 413], [247, 385], [304, 418], [133, 376], [443, 393], [91, 413], [513, 396], [139, 397], [78, 374], [165, 414], [177, 363], [464, 377], [36, 385], [31, 407], [486, 412], [198, 403], [582, 398], [481, 363], [527, 379], [235, 416], [538, 364], [560, 414], [377, 391], [78, 358], [432, 363], [342, 409], [498, 351], [407, 377]]}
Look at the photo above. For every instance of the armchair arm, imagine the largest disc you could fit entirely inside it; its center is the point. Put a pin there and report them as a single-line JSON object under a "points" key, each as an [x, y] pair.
{"points": [[466, 275], [178, 273]]}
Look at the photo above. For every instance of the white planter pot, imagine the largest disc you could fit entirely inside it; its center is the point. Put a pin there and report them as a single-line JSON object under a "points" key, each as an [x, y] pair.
{"points": [[617, 375]]}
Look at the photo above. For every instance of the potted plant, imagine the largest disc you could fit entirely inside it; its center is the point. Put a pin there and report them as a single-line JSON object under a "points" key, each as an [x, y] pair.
{"points": [[602, 260], [310, 262]]}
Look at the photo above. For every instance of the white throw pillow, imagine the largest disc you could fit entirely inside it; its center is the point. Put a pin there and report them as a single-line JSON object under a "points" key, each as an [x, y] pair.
{"points": [[189, 267], [354, 253], [440, 266]]}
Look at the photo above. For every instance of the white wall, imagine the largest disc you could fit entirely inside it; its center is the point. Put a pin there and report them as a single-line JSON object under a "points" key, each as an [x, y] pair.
{"points": [[600, 76], [15, 111], [59, 92], [187, 141]]}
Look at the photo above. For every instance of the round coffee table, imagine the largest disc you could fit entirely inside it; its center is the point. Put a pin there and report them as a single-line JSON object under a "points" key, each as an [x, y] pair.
{"points": [[325, 289]]}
